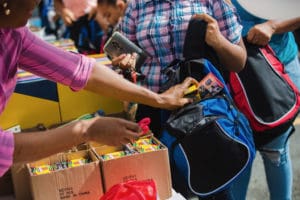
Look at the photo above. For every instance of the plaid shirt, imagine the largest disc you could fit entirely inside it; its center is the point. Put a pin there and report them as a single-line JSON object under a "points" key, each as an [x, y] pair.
{"points": [[159, 27], [21, 48]]}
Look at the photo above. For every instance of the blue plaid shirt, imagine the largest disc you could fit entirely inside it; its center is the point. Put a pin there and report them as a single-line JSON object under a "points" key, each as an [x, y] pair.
{"points": [[159, 27]]}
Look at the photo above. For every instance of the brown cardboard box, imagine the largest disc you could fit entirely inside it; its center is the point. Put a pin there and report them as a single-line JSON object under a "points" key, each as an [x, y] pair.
{"points": [[142, 166], [20, 176], [81, 182]]}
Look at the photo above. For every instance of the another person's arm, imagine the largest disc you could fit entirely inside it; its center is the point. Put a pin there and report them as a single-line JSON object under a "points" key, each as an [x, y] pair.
{"points": [[231, 55], [36, 145], [105, 81], [261, 34]]}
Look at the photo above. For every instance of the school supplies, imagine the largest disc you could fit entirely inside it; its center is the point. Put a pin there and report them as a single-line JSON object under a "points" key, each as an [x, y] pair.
{"points": [[209, 86]]}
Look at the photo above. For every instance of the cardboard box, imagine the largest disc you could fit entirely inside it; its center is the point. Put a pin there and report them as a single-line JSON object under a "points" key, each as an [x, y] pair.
{"points": [[20, 177], [81, 182], [142, 166]]}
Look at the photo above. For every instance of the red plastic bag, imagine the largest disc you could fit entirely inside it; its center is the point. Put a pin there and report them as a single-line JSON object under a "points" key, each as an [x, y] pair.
{"points": [[132, 190]]}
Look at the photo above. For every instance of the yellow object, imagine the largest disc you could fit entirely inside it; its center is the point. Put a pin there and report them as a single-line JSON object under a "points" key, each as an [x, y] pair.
{"points": [[74, 104], [113, 155], [44, 169], [77, 162], [191, 89], [28, 111]]}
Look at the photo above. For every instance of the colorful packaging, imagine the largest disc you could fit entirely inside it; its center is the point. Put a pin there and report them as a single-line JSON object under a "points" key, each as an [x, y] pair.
{"points": [[113, 155]]}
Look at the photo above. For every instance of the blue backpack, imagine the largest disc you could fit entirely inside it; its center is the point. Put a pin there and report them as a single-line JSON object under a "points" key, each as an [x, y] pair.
{"points": [[210, 142]]}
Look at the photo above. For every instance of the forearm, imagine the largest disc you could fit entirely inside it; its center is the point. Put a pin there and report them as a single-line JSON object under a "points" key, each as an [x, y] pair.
{"points": [[106, 82], [37, 145], [282, 26], [232, 56]]}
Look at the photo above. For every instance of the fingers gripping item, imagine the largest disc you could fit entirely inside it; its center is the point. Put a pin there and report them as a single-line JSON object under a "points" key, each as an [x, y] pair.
{"points": [[209, 86], [191, 89], [119, 44]]}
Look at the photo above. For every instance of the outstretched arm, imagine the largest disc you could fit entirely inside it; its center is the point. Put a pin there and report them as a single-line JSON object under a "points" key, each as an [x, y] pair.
{"points": [[106, 82], [105, 130]]}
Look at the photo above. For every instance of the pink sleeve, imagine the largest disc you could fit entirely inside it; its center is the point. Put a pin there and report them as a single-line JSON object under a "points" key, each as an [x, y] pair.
{"points": [[45, 60], [6, 150]]}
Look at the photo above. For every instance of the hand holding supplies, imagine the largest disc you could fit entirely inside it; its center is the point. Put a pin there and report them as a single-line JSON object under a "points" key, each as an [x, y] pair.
{"points": [[209, 86]]}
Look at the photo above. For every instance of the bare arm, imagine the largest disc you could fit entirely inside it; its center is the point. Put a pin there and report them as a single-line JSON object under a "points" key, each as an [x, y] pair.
{"points": [[282, 26], [262, 33], [106, 82], [36, 145], [232, 56]]}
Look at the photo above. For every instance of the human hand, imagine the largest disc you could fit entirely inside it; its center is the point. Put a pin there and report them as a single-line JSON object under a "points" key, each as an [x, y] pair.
{"points": [[112, 131], [173, 98], [213, 35], [125, 61], [261, 34], [67, 16]]}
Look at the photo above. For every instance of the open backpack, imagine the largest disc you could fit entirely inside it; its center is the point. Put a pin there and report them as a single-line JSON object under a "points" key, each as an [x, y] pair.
{"points": [[210, 141]]}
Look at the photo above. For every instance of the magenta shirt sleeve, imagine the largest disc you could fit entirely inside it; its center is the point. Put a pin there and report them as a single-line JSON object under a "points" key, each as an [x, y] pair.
{"points": [[45, 60], [6, 150]]}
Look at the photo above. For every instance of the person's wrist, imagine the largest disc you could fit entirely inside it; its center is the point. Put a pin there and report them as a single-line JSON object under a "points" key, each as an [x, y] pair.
{"points": [[80, 130], [160, 100], [272, 25]]}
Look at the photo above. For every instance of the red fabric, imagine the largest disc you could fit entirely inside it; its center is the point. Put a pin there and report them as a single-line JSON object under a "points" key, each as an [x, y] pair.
{"points": [[144, 124], [132, 190]]}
